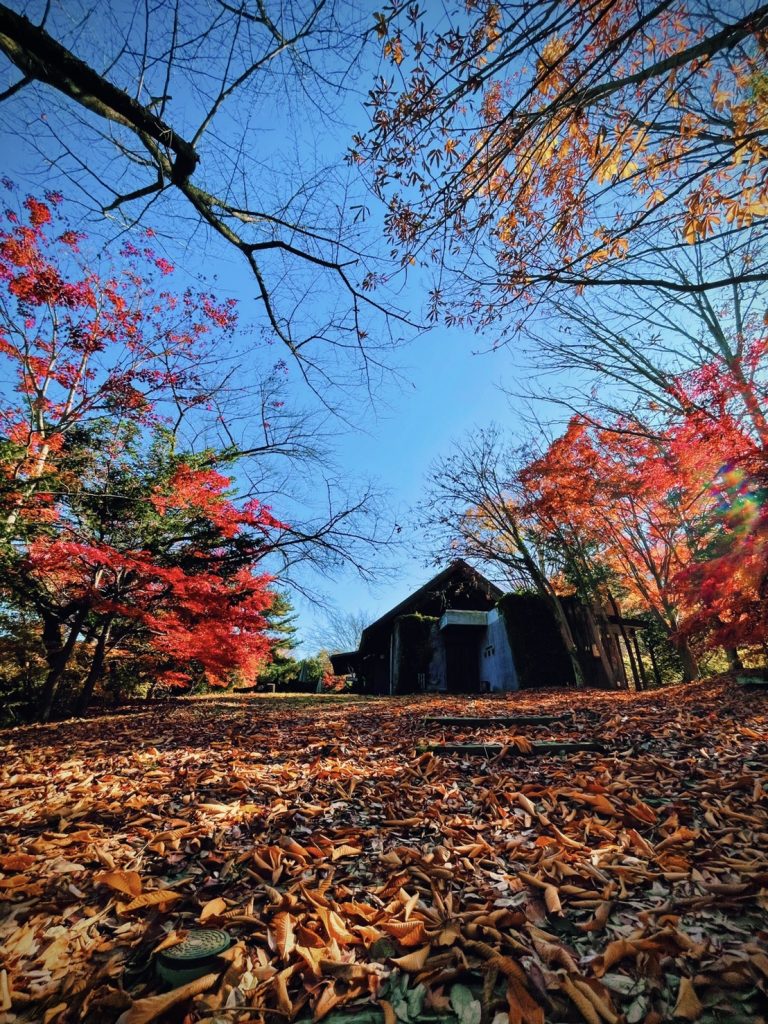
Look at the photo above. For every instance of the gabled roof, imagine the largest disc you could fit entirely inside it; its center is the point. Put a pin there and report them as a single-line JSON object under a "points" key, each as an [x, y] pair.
{"points": [[457, 568]]}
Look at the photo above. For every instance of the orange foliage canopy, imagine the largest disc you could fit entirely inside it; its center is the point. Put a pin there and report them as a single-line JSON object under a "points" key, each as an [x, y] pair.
{"points": [[569, 142], [677, 512]]}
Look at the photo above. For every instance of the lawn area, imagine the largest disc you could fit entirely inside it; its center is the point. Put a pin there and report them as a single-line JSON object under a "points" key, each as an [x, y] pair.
{"points": [[360, 880]]}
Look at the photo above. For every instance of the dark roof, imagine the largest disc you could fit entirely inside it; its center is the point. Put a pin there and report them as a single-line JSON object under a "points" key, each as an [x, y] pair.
{"points": [[457, 568]]}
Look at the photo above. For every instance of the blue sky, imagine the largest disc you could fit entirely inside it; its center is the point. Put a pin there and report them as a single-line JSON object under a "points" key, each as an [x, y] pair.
{"points": [[449, 392], [444, 389]]}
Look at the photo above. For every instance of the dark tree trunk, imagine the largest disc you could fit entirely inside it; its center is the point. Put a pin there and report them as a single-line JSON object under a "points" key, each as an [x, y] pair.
{"points": [[735, 664], [96, 671], [688, 659], [625, 638], [58, 654], [640, 664], [652, 652]]}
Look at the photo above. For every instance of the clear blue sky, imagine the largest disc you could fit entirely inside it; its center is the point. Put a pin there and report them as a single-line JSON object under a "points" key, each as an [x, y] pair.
{"points": [[445, 390]]}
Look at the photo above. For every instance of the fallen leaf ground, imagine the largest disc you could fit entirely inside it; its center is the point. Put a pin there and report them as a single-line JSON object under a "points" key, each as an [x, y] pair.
{"points": [[362, 881]]}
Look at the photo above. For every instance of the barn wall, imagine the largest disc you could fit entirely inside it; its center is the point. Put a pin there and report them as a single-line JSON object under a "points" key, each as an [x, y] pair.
{"points": [[438, 669], [497, 666]]}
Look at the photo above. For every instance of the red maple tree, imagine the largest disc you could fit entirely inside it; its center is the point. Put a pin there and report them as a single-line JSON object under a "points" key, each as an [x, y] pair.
{"points": [[129, 548]]}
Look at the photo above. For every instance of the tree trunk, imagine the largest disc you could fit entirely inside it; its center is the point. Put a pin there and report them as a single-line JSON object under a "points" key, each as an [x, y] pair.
{"points": [[656, 672], [96, 671], [688, 659], [544, 588], [735, 664], [625, 638], [598, 625], [58, 655], [640, 665]]}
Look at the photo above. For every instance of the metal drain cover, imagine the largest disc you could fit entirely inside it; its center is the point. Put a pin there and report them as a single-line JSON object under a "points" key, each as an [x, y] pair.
{"points": [[193, 957]]}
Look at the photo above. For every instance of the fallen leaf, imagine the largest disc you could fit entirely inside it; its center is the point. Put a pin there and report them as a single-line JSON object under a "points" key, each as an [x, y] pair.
{"points": [[145, 1010], [413, 961], [127, 882], [687, 1006]]}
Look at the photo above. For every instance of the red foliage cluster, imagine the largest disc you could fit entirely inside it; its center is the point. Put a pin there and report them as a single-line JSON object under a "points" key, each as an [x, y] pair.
{"points": [[100, 364], [676, 510]]}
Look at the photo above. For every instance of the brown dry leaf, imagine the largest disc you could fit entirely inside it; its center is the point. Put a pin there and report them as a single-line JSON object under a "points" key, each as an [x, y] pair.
{"points": [[280, 985], [145, 1010], [597, 801], [155, 898], [687, 1006], [581, 1001], [213, 908], [53, 1012], [345, 851], [16, 861], [599, 999], [614, 952], [473, 854], [15, 882], [552, 900], [414, 961], [553, 953], [642, 812], [126, 882], [329, 999], [522, 743], [598, 922], [285, 940], [5, 992], [171, 939], [523, 1009], [335, 926], [390, 1017]]}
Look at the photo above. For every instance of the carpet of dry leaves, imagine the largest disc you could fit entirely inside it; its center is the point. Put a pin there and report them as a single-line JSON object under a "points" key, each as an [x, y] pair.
{"points": [[364, 882]]}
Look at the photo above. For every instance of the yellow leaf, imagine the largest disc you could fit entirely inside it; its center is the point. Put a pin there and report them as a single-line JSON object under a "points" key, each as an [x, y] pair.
{"points": [[213, 908], [127, 882], [155, 898]]}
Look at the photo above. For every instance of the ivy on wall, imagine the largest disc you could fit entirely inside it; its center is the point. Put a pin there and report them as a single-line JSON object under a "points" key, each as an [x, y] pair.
{"points": [[415, 650], [539, 652]]}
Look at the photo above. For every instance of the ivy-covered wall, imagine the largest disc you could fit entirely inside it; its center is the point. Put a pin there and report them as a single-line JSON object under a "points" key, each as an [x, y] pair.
{"points": [[413, 650], [539, 652]]}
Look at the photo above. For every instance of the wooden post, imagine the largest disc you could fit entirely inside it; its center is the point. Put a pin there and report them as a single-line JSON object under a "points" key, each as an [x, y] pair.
{"points": [[640, 664], [652, 652]]}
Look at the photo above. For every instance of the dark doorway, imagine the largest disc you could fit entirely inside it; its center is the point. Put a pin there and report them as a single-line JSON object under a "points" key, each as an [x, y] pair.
{"points": [[462, 662]]}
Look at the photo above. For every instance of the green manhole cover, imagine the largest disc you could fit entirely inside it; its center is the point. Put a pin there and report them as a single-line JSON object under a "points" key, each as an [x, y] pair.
{"points": [[193, 957]]}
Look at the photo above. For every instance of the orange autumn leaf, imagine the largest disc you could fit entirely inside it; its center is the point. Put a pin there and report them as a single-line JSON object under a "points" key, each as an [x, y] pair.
{"points": [[143, 1011], [155, 898], [414, 961], [213, 908], [282, 928], [687, 1006]]}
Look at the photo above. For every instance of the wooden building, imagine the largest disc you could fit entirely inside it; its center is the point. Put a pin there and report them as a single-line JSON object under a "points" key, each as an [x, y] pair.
{"points": [[460, 633]]}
